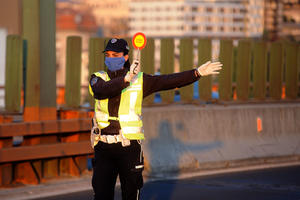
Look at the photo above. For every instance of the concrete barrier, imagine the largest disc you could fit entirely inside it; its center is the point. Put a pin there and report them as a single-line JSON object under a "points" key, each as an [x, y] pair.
{"points": [[187, 137]]}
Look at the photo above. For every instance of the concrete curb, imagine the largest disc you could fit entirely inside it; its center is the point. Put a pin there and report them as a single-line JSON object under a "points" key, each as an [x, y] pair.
{"points": [[52, 188]]}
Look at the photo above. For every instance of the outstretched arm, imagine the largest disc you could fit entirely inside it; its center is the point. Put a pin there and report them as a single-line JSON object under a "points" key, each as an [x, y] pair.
{"points": [[176, 80], [169, 81]]}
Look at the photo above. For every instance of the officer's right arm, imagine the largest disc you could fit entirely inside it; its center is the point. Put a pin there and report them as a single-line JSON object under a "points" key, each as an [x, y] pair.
{"points": [[107, 89]]}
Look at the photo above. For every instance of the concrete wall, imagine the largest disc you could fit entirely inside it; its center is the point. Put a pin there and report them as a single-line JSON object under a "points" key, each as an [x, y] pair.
{"points": [[187, 137]]}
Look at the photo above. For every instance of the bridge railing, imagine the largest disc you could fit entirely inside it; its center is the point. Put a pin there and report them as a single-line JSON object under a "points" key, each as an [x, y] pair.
{"points": [[252, 70], [32, 152]]}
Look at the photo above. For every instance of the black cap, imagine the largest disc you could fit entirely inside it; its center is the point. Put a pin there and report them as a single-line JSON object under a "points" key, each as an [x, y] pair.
{"points": [[117, 45]]}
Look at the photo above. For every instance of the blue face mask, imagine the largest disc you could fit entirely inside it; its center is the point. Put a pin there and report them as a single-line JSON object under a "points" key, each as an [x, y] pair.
{"points": [[114, 63]]}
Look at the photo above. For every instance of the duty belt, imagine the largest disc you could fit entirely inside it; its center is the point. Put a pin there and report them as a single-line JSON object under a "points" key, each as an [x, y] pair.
{"points": [[111, 139]]}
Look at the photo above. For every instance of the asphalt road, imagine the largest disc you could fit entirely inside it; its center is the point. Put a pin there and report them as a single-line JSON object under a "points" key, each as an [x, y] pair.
{"points": [[269, 184]]}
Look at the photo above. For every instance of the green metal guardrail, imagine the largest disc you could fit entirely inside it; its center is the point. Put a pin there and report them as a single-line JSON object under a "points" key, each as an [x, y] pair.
{"points": [[263, 70]]}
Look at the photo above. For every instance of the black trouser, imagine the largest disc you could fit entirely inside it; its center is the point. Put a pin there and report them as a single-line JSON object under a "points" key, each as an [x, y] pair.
{"points": [[112, 160]]}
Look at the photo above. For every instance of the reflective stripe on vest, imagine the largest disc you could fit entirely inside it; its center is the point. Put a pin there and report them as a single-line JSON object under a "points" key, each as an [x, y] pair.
{"points": [[130, 108], [101, 107]]}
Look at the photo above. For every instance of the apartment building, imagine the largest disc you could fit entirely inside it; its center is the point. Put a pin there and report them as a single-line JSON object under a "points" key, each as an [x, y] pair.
{"points": [[291, 19], [207, 18], [273, 18], [110, 15]]}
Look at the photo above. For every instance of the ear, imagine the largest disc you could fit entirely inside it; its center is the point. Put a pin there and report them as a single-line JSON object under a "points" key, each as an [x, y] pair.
{"points": [[126, 57]]}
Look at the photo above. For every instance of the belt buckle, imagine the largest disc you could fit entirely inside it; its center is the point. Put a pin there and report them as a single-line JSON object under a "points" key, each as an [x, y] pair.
{"points": [[111, 139], [125, 142]]}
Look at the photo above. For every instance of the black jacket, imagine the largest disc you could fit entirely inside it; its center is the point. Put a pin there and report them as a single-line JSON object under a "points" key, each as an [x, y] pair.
{"points": [[151, 83]]}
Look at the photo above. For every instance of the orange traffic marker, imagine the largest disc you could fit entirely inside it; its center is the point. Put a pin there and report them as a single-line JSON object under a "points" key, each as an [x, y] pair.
{"points": [[259, 124]]}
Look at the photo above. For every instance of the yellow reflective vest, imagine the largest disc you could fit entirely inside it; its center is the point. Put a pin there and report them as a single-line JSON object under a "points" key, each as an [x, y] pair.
{"points": [[130, 109]]}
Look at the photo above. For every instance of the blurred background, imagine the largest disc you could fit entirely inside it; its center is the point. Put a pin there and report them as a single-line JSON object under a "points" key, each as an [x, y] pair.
{"points": [[269, 20]]}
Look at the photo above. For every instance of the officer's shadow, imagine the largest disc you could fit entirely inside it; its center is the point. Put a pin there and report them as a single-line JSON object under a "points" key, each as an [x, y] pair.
{"points": [[168, 156]]}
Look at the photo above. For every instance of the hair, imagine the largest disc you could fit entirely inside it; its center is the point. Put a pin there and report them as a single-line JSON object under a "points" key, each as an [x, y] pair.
{"points": [[127, 64]]}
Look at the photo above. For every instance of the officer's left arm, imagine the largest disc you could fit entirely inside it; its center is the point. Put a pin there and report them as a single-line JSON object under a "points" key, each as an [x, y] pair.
{"points": [[177, 80], [155, 83]]}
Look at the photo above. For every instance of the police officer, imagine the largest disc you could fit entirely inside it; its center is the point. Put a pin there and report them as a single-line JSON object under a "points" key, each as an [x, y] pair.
{"points": [[117, 132]]}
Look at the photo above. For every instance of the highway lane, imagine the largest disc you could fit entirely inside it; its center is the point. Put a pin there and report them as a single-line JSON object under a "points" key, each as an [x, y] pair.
{"points": [[268, 184]]}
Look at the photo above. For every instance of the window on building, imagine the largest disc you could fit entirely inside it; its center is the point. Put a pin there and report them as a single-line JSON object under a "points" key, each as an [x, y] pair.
{"points": [[243, 10], [209, 9], [221, 10], [221, 28], [238, 19], [194, 9], [194, 28], [209, 28]]}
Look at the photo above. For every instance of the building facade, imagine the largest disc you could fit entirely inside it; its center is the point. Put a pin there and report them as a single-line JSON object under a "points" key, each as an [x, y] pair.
{"points": [[111, 16], [291, 20], [273, 18], [206, 18]]}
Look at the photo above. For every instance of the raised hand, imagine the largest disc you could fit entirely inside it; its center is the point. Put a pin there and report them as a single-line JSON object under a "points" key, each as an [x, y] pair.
{"points": [[209, 68], [135, 68]]}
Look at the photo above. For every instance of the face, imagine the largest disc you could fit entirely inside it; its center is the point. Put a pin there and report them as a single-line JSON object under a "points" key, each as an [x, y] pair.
{"points": [[113, 54]]}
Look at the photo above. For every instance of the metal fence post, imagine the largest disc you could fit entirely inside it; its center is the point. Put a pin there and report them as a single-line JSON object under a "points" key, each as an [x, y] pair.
{"points": [[204, 55], [186, 63], [243, 70], [73, 72], [167, 65], [31, 33], [48, 60], [291, 71], [13, 73], [225, 77], [96, 59], [276, 69], [147, 64], [259, 70]]}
